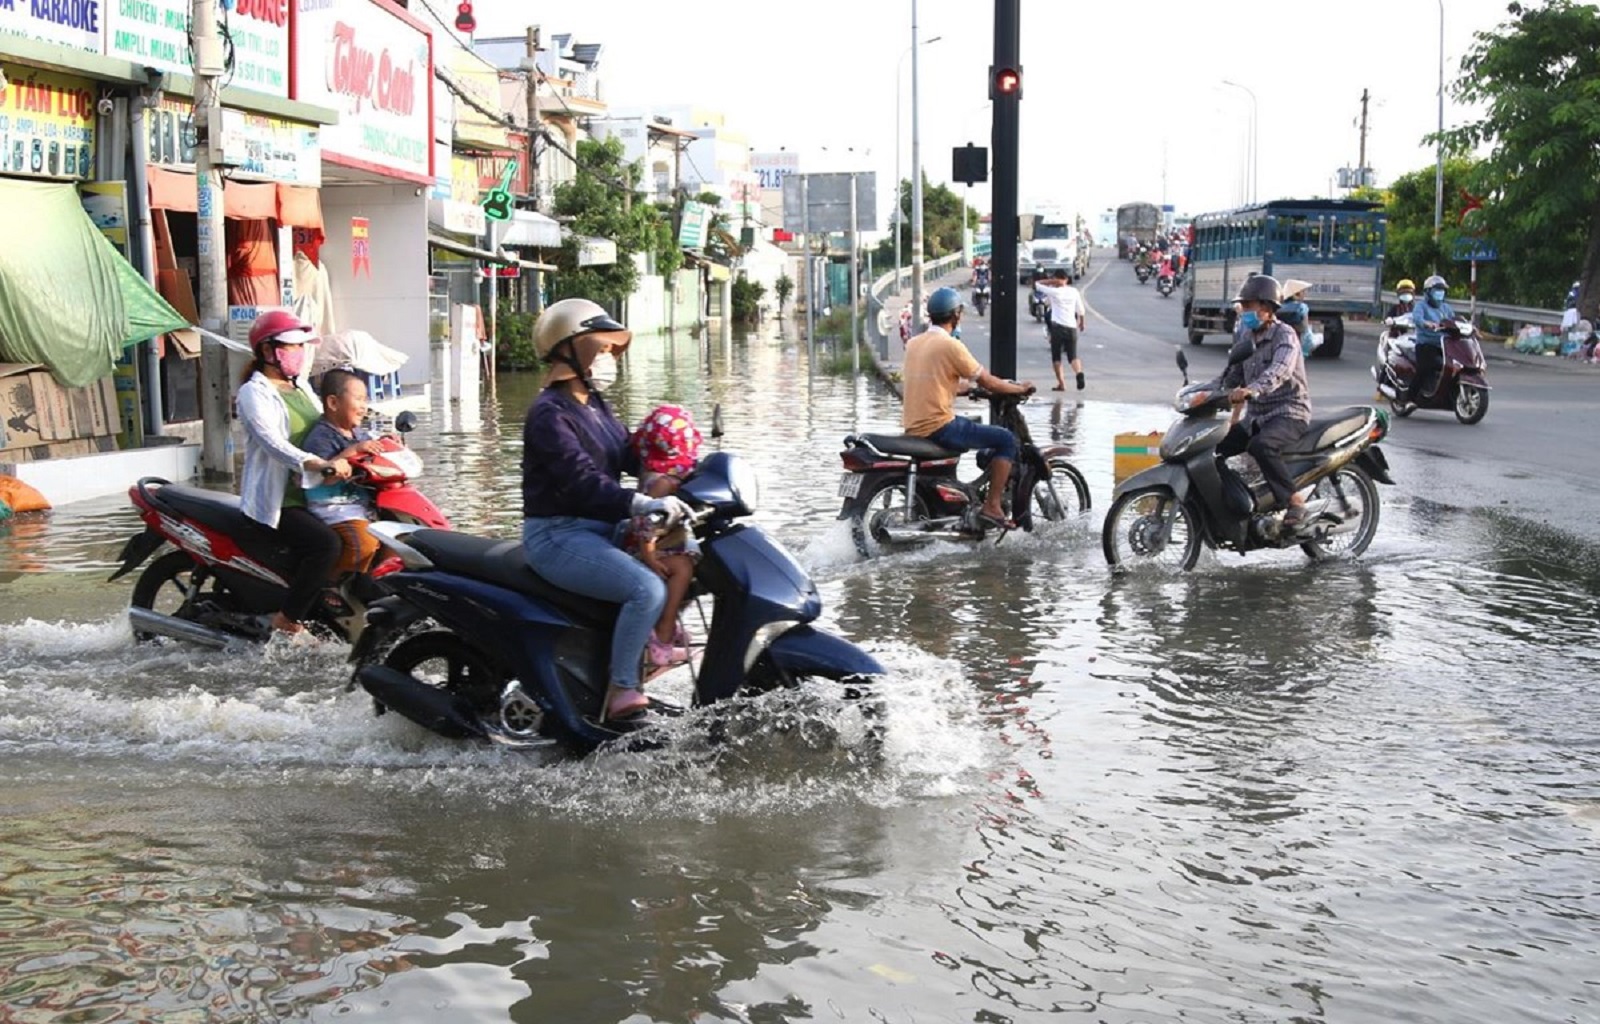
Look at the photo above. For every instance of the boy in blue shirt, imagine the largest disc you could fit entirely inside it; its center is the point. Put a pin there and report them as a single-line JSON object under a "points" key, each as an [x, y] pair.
{"points": [[342, 504]]}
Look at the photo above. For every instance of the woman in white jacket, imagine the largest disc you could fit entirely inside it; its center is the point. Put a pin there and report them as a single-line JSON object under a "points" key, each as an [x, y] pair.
{"points": [[276, 409]]}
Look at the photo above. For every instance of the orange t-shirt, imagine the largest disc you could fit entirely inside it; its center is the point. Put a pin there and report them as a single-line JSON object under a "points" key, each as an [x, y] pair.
{"points": [[934, 367]]}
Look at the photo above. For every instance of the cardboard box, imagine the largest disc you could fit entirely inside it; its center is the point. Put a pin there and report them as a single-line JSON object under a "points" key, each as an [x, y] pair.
{"points": [[20, 422], [1133, 453], [55, 407]]}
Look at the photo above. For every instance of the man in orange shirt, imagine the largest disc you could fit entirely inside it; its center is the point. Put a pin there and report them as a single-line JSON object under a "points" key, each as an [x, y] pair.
{"points": [[936, 365]]}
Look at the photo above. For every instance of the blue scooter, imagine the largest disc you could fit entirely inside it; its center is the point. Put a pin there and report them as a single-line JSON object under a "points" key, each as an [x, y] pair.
{"points": [[472, 643]]}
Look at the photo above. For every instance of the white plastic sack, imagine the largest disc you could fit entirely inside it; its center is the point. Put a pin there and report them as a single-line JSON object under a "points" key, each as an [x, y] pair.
{"points": [[356, 349]]}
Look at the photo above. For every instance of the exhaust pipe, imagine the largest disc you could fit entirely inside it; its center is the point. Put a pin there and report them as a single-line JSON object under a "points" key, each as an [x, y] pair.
{"points": [[901, 535], [448, 714], [144, 620]]}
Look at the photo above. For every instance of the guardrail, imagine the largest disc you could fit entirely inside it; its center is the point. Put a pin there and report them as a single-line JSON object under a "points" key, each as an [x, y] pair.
{"points": [[1499, 311], [875, 293]]}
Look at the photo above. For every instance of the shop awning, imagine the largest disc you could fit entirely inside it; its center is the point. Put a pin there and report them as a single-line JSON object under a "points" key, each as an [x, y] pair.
{"points": [[451, 245], [529, 229], [296, 206]]}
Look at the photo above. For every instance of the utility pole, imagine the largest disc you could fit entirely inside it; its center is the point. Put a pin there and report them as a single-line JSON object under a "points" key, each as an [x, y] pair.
{"points": [[1005, 88], [811, 278], [212, 245], [855, 285], [916, 186], [532, 89], [1361, 163]]}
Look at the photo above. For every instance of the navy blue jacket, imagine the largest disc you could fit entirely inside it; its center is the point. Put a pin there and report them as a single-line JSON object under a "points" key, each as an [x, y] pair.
{"points": [[573, 456]]}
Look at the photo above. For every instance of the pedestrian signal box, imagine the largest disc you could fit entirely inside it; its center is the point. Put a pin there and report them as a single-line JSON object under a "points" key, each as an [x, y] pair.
{"points": [[970, 164]]}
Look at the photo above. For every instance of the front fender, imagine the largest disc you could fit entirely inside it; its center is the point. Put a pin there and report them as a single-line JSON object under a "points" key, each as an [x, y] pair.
{"points": [[806, 651], [1170, 475], [1377, 466]]}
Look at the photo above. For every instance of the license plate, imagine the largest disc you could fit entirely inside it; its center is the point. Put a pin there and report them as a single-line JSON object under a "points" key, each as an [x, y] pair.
{"points": [[849, 485]]}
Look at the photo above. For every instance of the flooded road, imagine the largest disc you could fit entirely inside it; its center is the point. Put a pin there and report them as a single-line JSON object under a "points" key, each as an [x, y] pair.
{"points": [[1263, 791]]}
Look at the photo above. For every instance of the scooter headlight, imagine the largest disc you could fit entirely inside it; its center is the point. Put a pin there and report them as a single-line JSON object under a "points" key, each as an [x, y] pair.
{"points": [[746, 486]]}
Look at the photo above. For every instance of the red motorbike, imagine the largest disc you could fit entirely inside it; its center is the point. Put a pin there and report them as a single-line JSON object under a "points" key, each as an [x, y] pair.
{"points": [[229, 573], [1462, 386]]}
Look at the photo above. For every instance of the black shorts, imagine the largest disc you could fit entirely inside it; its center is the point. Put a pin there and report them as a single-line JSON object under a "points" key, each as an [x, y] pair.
{"points": [[1063, 339]]}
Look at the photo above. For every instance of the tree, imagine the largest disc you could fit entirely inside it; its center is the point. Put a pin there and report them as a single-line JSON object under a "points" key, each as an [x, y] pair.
{"points": [[1538, 77], [1408, 203], [600, 203], [941, 225], [784, 288]]}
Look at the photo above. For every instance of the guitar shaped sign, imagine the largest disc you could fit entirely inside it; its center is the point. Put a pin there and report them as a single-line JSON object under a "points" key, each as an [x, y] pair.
{"points": [[497, 204]]}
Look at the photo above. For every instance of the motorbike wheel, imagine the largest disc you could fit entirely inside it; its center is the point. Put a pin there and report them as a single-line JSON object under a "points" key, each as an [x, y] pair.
{"points": [[176, 585], [883, 507], [1350, 493], [1138, 530], [443, 659], [1063, 496], [1471, 404]]}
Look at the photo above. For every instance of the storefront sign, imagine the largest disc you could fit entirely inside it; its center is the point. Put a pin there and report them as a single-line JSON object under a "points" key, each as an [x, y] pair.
{"points": [[596, 252], [46, 124], [106, 203], [254, 146], [373, 63], [771, 168], [481, 83], [74, 23], [156, 33], [492, 166], [360, 246]]}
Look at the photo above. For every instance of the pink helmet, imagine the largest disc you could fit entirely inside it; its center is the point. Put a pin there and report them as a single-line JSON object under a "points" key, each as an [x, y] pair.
{"points": [[668, 441], [280, 327]]}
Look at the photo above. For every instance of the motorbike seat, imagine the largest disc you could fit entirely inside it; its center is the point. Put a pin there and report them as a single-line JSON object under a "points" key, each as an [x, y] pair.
{"points": [[1325, 431], [215, 509], [504, 563], [909, 446]]}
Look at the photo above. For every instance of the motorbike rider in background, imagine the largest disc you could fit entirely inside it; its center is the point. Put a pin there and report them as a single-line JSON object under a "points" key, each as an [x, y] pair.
{"points": [[1296, 313], [1406, 296], [1273, 380], [1428, 314], [936, 364], [980, 272]]}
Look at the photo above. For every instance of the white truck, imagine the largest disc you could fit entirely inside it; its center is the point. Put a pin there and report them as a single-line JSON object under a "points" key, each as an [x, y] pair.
{"points": [[1049, 242]]}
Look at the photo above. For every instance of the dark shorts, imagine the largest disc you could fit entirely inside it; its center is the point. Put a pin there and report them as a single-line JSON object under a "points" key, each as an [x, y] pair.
{"points": [[1063, 339]]}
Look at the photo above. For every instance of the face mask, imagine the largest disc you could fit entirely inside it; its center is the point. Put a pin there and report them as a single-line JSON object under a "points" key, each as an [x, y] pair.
{"points": [[291, 360], [1251, 320], [1406, 296], [603, 371], [955, 332], [1435, 295]]}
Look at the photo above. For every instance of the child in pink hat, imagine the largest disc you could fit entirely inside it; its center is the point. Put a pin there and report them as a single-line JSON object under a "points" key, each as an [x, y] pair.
{"points": [[668, 444]]}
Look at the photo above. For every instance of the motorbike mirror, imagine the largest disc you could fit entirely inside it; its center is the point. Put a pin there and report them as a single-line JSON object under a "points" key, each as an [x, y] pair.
{"points": [[406, 422], [1240, 351]]}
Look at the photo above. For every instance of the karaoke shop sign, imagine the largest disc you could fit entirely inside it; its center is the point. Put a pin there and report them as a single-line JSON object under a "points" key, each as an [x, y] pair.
{"points": [[155, 33], [373, 63]]}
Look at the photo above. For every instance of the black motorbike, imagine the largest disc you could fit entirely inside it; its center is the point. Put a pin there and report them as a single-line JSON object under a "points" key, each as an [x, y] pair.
{"points": [[1165, 283], [901, 491], [1143, 271], [980, 298], [1164, 514], [1038, 308]]}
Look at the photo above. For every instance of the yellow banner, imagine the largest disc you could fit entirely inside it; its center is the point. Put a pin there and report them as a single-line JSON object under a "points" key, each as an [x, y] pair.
{"points": [[46, 124]]}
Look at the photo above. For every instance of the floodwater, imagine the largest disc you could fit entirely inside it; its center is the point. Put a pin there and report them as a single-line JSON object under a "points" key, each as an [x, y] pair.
{"points": [[1263, 791]]}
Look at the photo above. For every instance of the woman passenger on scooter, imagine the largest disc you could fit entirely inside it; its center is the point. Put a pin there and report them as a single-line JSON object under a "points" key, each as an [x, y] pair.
{"points": [[277, 409], [574, 452], [1273, 380]]}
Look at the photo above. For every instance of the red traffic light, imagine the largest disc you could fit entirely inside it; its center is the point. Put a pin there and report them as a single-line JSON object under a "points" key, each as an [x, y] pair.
{"points": [[465, 22], [1006, 83]]}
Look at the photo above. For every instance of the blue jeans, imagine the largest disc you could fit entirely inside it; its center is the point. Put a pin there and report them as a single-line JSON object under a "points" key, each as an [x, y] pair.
{"points": [[962, 434], [579, 555]]}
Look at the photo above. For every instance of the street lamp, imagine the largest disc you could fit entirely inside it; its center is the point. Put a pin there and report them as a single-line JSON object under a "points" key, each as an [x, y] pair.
{"points": [[898, 220], [1438, 170], [1253, 156]]}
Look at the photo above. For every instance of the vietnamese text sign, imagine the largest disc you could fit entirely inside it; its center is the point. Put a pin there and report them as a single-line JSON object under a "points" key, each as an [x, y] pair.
{"points": [[771, 168], [74, 23], [46, 124], [268, 147], [374, 66], [828, 196], [596, 252], [692, 229], [156, 33]]}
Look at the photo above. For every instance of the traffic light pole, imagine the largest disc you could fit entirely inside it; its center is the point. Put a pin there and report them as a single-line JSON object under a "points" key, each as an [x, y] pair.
{"points": [[1005, 89]]}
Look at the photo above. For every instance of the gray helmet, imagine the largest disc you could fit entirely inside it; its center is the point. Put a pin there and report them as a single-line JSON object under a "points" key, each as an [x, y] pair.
{"points": [[1260, 288], [943, 302], [1435, 282]]}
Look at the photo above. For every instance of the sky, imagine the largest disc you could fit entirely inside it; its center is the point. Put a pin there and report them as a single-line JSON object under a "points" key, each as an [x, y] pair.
{"points": [[1121, 101]]}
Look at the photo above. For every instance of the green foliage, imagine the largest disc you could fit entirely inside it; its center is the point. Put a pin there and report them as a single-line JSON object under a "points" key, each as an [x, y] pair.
{"points": [[747, 299], [835, 325], [598, 201], [1537, 77], [836, 360], [784, 288], [514, 339], [1408, 203], [941, 225]]}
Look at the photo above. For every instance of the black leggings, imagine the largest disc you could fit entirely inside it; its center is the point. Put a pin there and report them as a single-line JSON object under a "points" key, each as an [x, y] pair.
{"points": [[316, 549], [1429, 360], [1264, 441], [1063, 339]]}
